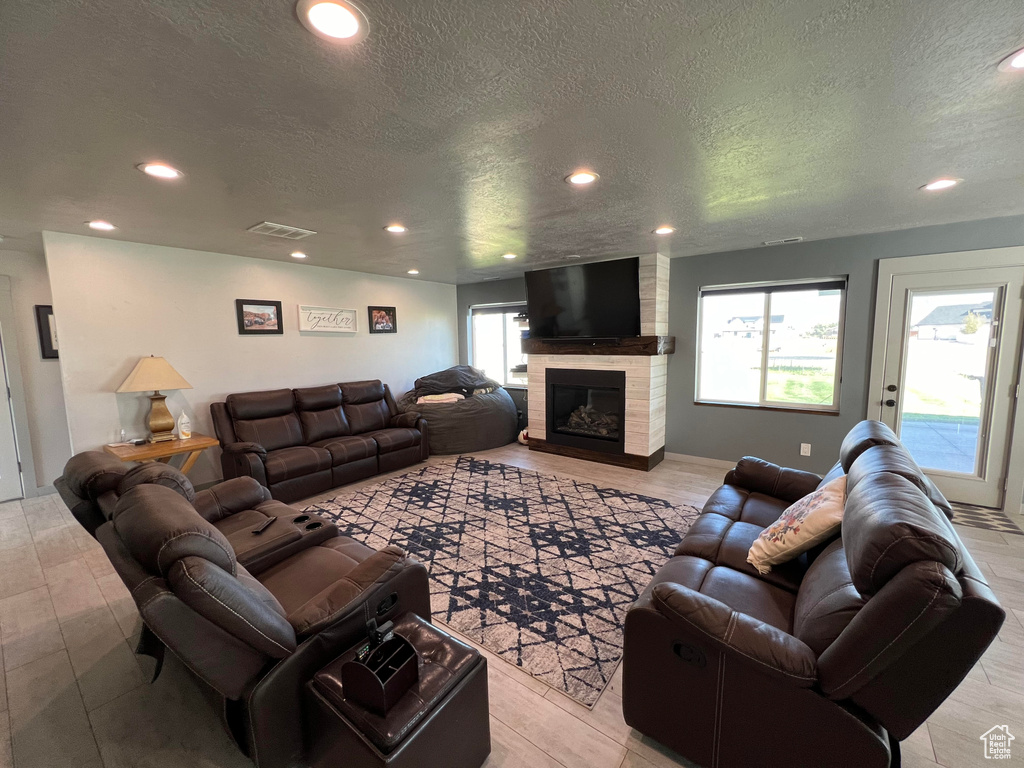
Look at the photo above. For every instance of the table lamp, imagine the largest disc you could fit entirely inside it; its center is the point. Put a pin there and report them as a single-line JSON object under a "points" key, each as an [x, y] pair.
{"points": [[155, 373]]}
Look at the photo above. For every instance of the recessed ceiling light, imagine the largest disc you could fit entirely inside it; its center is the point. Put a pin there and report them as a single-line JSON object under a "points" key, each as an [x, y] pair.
{"points": [[508, 256], [945, 183], [339, 21], [100, 224], [160, 170], [413, 272], [396, 228], [665, 230], [572, 256], [1013, 63], [298, 255], [582, 177]]}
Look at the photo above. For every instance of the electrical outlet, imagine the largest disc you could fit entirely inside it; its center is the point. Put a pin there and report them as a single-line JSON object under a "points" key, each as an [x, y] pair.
{"points": [[805, 449]]}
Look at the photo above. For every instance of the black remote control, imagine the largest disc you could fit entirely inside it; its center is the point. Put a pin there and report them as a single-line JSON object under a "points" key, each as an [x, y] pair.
{"points": [[264, 526]]}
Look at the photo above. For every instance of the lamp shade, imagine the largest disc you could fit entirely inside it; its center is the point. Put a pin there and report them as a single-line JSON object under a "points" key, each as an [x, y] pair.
{"points": [[153, 374]]}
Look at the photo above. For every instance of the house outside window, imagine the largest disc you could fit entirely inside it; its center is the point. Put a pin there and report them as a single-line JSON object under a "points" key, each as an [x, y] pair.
{"points": [[496, 341], [771, 345]]}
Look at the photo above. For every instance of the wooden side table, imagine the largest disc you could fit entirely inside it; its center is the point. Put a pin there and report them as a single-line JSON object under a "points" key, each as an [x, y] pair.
{"points": [[193, 446]]}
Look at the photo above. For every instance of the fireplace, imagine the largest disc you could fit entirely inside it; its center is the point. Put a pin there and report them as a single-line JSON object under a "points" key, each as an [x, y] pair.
{"points": [[586, 409]]}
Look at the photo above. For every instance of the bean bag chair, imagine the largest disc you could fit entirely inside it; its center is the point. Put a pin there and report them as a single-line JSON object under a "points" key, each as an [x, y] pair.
{"points": [[486, 418]]}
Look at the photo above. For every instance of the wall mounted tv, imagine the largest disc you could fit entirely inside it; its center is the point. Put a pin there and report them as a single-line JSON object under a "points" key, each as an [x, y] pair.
{"points": [[585, 301]]}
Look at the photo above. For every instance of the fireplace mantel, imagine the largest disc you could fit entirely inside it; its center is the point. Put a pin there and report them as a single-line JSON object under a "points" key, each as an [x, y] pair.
{"points": [[639, 346], [643, 359]]}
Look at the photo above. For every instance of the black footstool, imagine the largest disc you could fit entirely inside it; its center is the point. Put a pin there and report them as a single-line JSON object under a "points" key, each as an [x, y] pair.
{"points": [[440, 722]]}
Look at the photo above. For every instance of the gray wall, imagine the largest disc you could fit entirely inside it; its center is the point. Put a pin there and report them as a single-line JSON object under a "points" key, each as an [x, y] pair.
{"points": [[492, 292], [728, 433]]}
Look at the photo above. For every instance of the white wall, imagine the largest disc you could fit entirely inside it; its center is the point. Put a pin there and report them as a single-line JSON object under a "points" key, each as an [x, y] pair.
{"points": [[115, 302], [44, 400]]}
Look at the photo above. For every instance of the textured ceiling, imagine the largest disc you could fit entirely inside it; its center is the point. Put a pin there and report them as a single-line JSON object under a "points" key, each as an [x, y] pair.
{"points": [[736, 121]]}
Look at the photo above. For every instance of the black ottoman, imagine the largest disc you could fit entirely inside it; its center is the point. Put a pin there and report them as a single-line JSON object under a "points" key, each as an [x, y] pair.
{"points": [[442, 721]]}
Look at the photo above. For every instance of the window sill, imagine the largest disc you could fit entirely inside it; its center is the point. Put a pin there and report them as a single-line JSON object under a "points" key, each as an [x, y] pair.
{"points": [[776, 408]]}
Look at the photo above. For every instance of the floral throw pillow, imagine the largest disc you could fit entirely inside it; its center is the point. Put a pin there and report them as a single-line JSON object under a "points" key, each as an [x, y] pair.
{"points": [[812, 519]]}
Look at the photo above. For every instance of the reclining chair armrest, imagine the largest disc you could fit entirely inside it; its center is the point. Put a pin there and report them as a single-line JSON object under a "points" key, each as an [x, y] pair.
{"points": [[408, 419], [772, 651], [256, 448], [334, 601], [230, 497], [244, 460], [86, 512], [762, 476]]}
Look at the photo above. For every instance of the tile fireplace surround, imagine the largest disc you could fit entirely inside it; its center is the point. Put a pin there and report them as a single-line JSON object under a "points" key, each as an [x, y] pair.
{"points": [[645, 367]]}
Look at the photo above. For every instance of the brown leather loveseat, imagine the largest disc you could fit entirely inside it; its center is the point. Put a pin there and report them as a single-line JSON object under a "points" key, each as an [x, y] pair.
{"points": [[830, 659], [302, 442]]}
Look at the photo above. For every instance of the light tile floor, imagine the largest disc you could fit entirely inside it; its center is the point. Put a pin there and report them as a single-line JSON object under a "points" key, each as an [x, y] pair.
{"points": [[72, 693]]}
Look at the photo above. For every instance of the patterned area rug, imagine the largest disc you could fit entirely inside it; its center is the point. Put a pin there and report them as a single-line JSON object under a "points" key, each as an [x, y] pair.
{"points": [[538, 569]]}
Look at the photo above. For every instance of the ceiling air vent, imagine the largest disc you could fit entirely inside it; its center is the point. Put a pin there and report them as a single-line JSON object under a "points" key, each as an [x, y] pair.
{"points": [[280, 230], [784, 241]]}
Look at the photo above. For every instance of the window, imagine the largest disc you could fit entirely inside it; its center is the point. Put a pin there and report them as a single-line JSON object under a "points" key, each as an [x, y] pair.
{"points": [[776, 346], [497, 342]]}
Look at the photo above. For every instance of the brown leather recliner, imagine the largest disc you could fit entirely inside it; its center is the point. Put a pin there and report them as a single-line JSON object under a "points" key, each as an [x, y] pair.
{"points": [[255, 639], [302, 442], [89, 487], [93, 481], [829, 659]]}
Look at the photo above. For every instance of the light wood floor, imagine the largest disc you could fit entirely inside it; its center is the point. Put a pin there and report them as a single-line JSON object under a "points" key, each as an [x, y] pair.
{"points": [[73, 694]]}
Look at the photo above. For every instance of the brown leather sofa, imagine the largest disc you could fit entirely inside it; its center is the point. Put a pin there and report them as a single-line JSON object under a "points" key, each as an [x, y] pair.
{"points": [[830, 659], [255, 638], [301, 442]]}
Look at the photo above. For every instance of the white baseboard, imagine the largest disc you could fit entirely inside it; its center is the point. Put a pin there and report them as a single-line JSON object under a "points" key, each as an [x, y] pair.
{"points": [[720, 463], [44, 490]]}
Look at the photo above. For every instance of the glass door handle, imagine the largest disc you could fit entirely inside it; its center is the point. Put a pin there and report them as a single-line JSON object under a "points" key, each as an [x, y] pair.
{"points": [[890, 403], [891, 388]]}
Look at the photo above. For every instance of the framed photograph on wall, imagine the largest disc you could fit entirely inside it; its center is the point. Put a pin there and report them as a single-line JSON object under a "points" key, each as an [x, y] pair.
{"points": [[382, 319], [47, 331], [327, 319], [257, 317]]}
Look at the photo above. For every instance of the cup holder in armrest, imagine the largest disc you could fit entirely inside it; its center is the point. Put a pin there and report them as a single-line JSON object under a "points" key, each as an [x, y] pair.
{"points": [[300, 519], [314, 526]]}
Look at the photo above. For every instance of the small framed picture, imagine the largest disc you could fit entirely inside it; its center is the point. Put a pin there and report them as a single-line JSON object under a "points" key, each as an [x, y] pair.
{"points": [[257, 317], [47, 331], [382, 319]]}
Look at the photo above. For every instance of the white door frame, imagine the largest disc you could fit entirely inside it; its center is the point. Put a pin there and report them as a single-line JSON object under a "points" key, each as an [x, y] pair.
{"points": [[28, 472], [948, 262]]}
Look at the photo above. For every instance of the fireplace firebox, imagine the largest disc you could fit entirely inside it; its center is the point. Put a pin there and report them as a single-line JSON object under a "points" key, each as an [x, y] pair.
{"points": [[586, 409]]}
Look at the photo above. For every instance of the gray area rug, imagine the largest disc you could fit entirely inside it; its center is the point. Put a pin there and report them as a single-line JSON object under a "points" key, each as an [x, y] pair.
{"points": [[537, 568]]}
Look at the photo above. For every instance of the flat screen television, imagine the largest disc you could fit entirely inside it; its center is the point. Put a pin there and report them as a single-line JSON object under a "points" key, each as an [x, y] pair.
{"points": [[585, 301]]}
